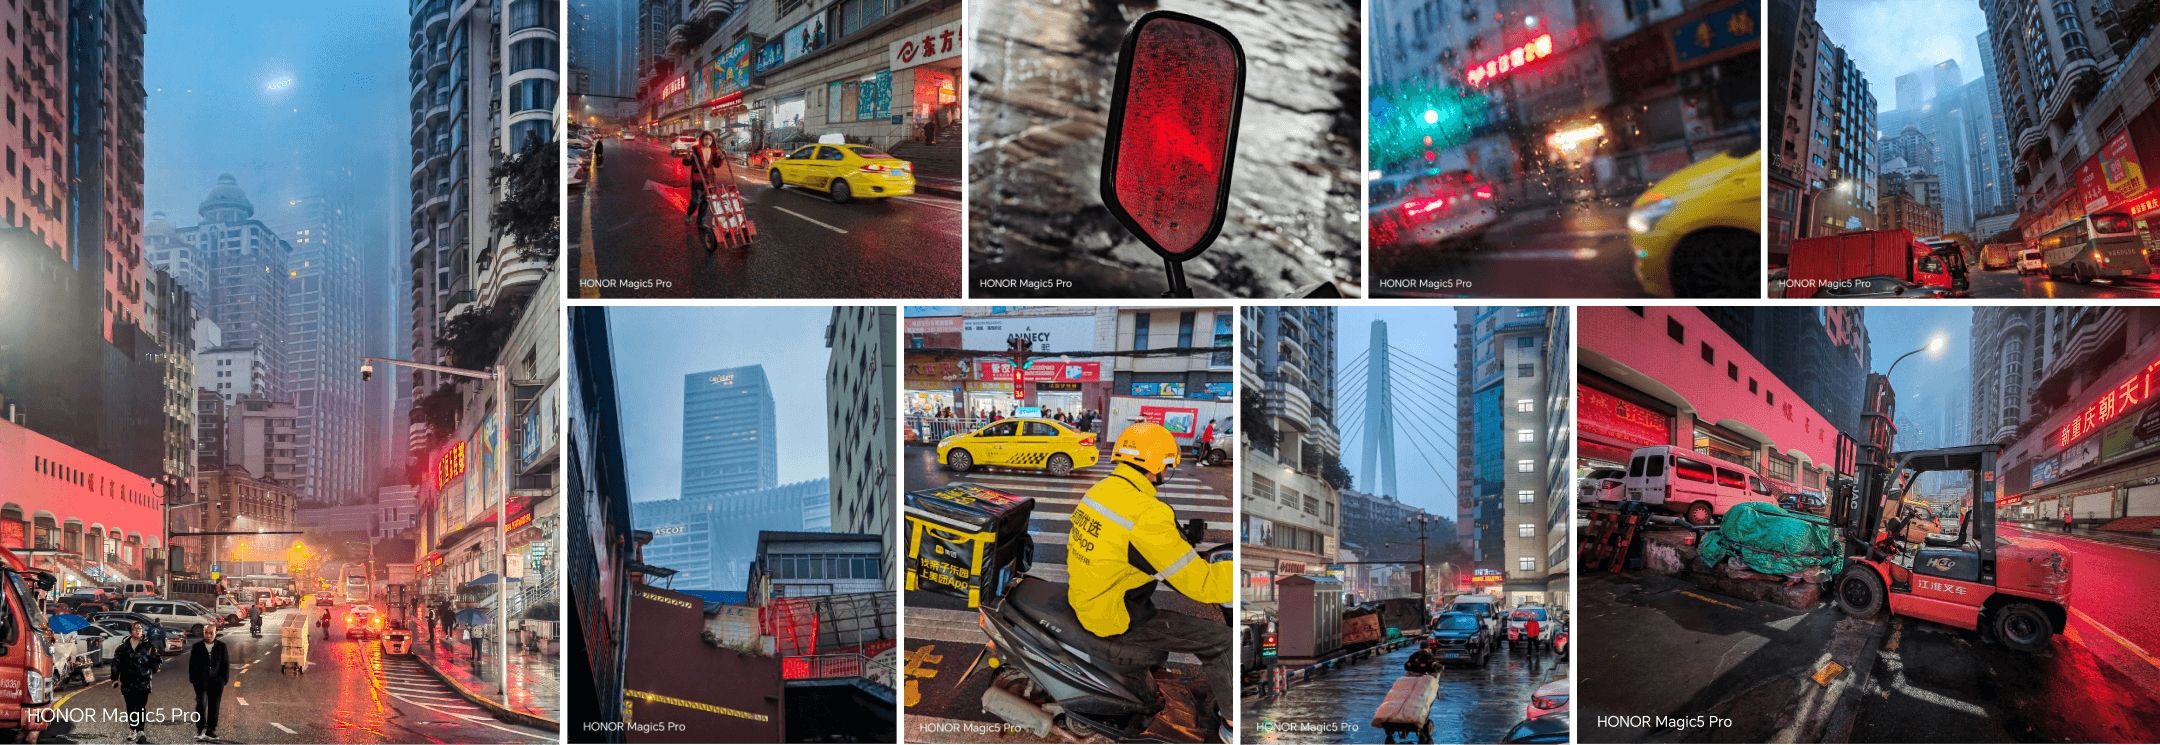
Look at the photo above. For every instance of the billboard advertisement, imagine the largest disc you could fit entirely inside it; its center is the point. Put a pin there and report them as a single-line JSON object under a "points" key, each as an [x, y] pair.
{"points": [[806, 37], [1043, 371], [1180, 422], [1050, 334], [732, 71]]}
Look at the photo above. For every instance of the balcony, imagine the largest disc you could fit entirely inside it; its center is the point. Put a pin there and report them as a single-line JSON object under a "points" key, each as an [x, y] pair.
{"points": [[2080, 78], [2029, 137], [1289, 401]]}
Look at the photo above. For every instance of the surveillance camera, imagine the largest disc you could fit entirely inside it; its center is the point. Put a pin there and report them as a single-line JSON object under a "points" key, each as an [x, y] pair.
{"points": [[367, 370]]}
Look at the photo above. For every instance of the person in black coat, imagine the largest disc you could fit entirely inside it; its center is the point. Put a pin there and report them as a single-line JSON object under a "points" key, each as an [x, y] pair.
{"points": [[132, 667], [209, 669], [1422, 662]]}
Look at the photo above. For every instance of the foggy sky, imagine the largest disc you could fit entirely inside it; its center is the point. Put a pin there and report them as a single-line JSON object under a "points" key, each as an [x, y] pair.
{"points": [[655, 346], [208, 69], [1888, 38], [1922, 382], [1428, 333]]}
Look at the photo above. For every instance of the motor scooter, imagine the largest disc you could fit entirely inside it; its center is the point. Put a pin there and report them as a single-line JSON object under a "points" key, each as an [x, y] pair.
{"points": [[1053, 674], [255, 624]]}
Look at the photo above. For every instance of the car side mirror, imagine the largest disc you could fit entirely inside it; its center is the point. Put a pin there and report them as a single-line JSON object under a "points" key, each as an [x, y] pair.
{"points": [[1172, 140]]}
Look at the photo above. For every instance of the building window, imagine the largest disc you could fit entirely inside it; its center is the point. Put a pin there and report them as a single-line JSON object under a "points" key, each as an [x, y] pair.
{"points": [[1139, 332], [1675, 330], [1524, 435], [1523, 405], [1526, 563], [1524, 466], [1262, 489], [1525, 371], [1526, 530], [1525, 342], [855, 14], [1184, 329], [1732, 371], [526, 14], [1312, 506], [532, 54], [1526, 496]]}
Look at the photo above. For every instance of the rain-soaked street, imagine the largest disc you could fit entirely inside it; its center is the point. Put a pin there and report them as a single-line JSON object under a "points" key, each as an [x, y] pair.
{"points": [[628, 238], [1476, 703], [1571, 250], [351, 693], [2006, 283]]}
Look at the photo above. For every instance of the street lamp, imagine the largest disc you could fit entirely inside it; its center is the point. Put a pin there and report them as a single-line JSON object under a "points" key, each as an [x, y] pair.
{"points": [[1935, 345], [501, 376]]}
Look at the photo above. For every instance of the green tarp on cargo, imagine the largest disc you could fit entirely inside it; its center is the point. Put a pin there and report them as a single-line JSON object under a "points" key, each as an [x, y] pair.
{"points": [[1772, 541]]}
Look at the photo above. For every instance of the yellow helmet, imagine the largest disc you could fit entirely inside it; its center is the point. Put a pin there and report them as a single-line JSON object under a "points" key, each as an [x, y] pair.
{"points": [[1148, 446]]}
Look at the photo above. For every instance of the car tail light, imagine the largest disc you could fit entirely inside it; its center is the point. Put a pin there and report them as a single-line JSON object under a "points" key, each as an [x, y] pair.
{"points": [[1483, 192], [1423, 206], [1549, 702], [873, 169], [1087, 442]]}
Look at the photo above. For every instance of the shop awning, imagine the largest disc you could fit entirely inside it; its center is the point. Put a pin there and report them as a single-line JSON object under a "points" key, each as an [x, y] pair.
{"points": [[489, 580]]}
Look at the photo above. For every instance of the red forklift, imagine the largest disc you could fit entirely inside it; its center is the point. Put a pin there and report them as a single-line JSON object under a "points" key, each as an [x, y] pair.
{"points": [[2013, 591]]}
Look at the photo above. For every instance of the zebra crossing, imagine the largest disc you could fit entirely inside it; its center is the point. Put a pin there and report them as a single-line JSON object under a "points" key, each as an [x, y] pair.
{"points": [[403, 679]]}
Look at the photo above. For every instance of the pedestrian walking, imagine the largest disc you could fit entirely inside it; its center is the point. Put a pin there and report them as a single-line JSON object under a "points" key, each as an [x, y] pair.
{"points": [[209, 669], [1530, 631], [473, 640], [132, 667]]}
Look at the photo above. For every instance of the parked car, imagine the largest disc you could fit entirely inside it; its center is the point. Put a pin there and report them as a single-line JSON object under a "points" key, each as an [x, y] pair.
{"points": [[100, 641], [173, 638], [1809, 502], [1690, 484], [1462, 637], [1518, 624], [326, 598], [180, 614], [1549, 699], [231, 610], [363, 622], [1551, 728], [682, 144], [1483, 605], [1593, 486]]}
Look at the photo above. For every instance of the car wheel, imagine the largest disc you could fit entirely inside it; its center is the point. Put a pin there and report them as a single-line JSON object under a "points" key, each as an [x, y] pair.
{"points": [[1059, 465], [959, 461], [840, 191], [1716, 264], [1700, 513], [2024, 627], [775, 177], [1860, 592], [2083, 275]]}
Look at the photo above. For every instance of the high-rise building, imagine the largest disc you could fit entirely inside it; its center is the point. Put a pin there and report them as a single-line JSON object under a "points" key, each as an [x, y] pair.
{"points": [[1822, 353], [710, 541], [1944, 125], [242, 267], [2053, 61], [170, 316], [104, 144], [484, 85], [2010, 347], [1947, 77], [860, 404], [1509, 476], [1823, 179], [1558, 435], [1290, 510], [2005, 197], [729, 443], [324, 323], [1910, 97], [259, 437]]}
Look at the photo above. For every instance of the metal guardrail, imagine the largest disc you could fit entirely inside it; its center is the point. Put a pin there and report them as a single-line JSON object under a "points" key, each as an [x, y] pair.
{"points": [[830, 666]]}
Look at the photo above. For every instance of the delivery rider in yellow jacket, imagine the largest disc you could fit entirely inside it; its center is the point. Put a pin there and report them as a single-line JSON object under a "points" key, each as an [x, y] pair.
{"points": [[1125, 540]]}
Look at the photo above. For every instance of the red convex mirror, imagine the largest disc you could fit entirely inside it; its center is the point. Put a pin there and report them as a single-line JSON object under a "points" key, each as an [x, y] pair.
{"points": [[1173, 135]]}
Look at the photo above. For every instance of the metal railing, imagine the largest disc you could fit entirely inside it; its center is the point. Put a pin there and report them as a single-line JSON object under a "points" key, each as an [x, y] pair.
{"points": [[831, 666]]}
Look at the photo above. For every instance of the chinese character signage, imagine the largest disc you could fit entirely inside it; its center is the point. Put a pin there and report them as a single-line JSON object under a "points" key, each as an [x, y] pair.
{"points": [[1158, 390], [1725, 29], [1507, 62], [451, 465], [940, 43], [1044, 371], [1605, 415], [2112, 404]]}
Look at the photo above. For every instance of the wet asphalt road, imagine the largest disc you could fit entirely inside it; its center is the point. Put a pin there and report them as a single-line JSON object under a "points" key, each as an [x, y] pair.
{"points": [[1572, 251], [2005, 283], [1476, 704], [628, 239], [2100, 682], [351, 693], [943, 646]]}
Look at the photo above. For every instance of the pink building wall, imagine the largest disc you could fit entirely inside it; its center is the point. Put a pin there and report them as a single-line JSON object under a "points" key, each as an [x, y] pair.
{"points": [[40, 477], [1638, 351]]}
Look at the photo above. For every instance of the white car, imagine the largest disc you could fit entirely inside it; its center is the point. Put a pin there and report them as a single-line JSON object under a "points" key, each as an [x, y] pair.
{"points": [[99, 641], [231, 610], [181, 615], [2029, 262], [682, 144]]}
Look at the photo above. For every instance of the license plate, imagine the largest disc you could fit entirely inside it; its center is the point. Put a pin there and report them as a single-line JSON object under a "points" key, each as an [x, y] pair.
{"points": [[1454, 655]]}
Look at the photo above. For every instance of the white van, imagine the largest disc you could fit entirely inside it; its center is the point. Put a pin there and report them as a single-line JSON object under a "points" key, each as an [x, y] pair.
{"points": [[177, 614], [1485, 606], [136, 588], [1696, 486]]}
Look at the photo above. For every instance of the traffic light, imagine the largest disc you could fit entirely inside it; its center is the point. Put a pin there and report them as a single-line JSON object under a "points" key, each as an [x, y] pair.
{"points": [[1418, 119]]}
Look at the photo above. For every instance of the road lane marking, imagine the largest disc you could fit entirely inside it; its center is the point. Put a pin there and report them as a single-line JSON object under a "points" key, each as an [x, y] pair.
{"points": [[954, 206], [588, 264], [2134, 649], [1707, 600], [813, 221], [288, 730], [549, 737]]}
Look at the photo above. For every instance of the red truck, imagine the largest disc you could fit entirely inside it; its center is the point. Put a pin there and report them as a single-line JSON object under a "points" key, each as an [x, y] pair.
{"points": [[1832, 260], [26, 650]]}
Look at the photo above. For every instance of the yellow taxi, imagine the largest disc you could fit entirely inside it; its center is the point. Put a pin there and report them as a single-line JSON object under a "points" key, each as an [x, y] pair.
{"points": [[1020, 443], [1698, 233], [844, 171]]}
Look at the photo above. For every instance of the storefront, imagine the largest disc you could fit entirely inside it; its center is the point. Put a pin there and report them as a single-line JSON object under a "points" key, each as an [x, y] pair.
{"points": [[874, 73], [1611, 422], [933, 63]]}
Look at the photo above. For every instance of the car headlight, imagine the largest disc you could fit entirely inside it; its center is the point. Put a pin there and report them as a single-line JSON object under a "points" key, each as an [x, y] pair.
{"points": [[40, 688], [1645, 216]]}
